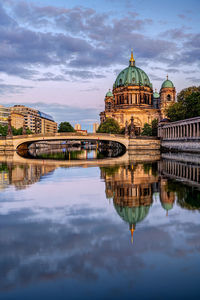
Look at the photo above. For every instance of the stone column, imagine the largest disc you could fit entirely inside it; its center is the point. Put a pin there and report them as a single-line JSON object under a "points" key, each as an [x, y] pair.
{"points": [[194, 130]]}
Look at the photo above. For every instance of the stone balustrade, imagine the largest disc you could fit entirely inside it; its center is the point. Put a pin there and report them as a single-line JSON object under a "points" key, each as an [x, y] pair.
{"points": [[188, 129]]}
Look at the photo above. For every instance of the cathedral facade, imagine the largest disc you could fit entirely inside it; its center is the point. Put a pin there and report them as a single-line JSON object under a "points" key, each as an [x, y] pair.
{"points": [[133, 96]]}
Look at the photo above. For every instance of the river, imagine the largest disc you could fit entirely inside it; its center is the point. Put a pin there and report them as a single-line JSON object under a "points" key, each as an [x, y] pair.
{"points": [[123, 229]]}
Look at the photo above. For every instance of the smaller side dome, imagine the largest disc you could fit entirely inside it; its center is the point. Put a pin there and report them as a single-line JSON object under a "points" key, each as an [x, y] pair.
{"points": [[156, 95], [167, 83], [109, 94]]}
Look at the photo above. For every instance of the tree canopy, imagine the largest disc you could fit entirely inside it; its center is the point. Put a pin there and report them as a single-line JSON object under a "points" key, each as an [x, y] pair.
{"points": [[150, 130], [65, 127], [109, 126], [4, 130], [187, 105], [146, 130]]}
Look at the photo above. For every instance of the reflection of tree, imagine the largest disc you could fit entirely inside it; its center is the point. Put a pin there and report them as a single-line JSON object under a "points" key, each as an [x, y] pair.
{"points": [[153, 167], [187, 196]]}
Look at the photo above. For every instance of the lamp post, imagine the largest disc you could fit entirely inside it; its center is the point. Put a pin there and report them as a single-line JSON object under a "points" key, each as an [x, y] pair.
{"points": [[9, 133], [126, 129]]}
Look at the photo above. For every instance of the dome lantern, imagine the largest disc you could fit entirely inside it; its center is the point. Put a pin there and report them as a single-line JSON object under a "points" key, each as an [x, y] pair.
{"points": [[132, 60]]}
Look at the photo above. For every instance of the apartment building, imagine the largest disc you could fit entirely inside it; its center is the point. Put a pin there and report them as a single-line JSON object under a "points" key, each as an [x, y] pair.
{"points": [[36, 121], [4, 114]]}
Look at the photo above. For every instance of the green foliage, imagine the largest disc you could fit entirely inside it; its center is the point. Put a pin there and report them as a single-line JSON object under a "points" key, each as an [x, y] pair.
{"points": [[187, 92], [147, 130], [154, 126], [3, 130], [65, 127], [188, 105], [28, 131], [109, 126]]}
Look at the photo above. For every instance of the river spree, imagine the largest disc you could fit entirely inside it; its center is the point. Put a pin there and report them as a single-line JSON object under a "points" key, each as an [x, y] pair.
{"points": [[113, 231]]}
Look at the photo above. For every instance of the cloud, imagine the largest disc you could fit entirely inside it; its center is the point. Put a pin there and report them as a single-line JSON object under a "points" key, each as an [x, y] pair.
{"points": [[193, 79], [12, 89], [51, 77]]}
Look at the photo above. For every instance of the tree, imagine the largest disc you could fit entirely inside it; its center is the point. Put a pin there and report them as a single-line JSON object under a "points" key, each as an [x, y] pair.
{"points": [[65, 127], [154, 126], [109, 126], [147, 130], [3, 130], [187, 92], [188, 105]]}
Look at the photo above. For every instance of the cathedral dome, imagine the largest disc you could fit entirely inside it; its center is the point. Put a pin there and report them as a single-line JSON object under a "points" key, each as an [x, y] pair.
{"points": [[132, 75], [109, 94], [167, 84]]}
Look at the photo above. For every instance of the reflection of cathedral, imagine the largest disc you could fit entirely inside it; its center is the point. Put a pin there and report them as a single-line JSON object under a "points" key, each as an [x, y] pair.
{"points": [[132, 188], [133, 95]]}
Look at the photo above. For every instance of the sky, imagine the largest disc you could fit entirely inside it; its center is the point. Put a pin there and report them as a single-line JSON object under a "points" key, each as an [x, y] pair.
{"points": [[63, 56]]}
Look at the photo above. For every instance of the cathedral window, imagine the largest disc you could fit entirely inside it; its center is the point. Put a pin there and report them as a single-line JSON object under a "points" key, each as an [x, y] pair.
{"points": [[168, 97]]}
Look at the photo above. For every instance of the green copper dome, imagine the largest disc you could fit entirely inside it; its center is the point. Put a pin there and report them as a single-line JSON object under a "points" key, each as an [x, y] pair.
{"points": [[132, 76], [109, 94], [167, 84], [132, 215], [156, 95]]}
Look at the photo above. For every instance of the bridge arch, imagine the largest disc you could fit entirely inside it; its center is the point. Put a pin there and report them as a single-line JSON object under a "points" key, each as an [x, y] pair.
{"points": [[21, 142]]}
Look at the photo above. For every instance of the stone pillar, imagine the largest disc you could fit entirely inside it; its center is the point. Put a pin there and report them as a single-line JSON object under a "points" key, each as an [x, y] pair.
{"points": [[194, 130], [190, 130], [132, 129], [198, 129]]}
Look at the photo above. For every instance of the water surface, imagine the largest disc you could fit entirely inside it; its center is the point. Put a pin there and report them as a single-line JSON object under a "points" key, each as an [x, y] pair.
{"points": [[111, 232]]}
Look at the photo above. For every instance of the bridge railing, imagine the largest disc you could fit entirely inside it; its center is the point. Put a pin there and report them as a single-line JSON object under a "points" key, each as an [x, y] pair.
{"points": [[71, 134]]}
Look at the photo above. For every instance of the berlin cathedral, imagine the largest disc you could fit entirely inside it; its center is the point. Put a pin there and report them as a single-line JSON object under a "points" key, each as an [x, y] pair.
{"points": [[133, 96]]}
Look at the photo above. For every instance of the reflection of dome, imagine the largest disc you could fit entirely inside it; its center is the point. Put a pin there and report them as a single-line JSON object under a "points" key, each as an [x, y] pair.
{"points": [[132, 75], [167, 206], [132, 215], [167, 84], [109, 94]]}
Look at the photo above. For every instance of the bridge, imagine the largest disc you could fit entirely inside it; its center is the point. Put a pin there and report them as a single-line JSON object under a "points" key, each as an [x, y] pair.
{"points": [[23, 141]]}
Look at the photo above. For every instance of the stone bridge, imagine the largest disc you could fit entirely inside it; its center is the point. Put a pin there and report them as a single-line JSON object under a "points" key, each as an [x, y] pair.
{"points": [[23, 141]]}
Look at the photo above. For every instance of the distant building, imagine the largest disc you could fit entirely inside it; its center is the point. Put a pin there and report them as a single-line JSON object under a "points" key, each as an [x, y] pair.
{"points": [[95, 127], [77, 127], [36, 121], [17, 120], [4, 114]]}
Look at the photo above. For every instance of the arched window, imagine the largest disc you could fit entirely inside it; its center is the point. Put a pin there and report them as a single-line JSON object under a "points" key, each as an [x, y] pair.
{"points": [[168, 97]]}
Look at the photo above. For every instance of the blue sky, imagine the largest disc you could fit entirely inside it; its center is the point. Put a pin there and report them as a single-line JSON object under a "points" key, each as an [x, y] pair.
{"points": [[63, 56]]}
